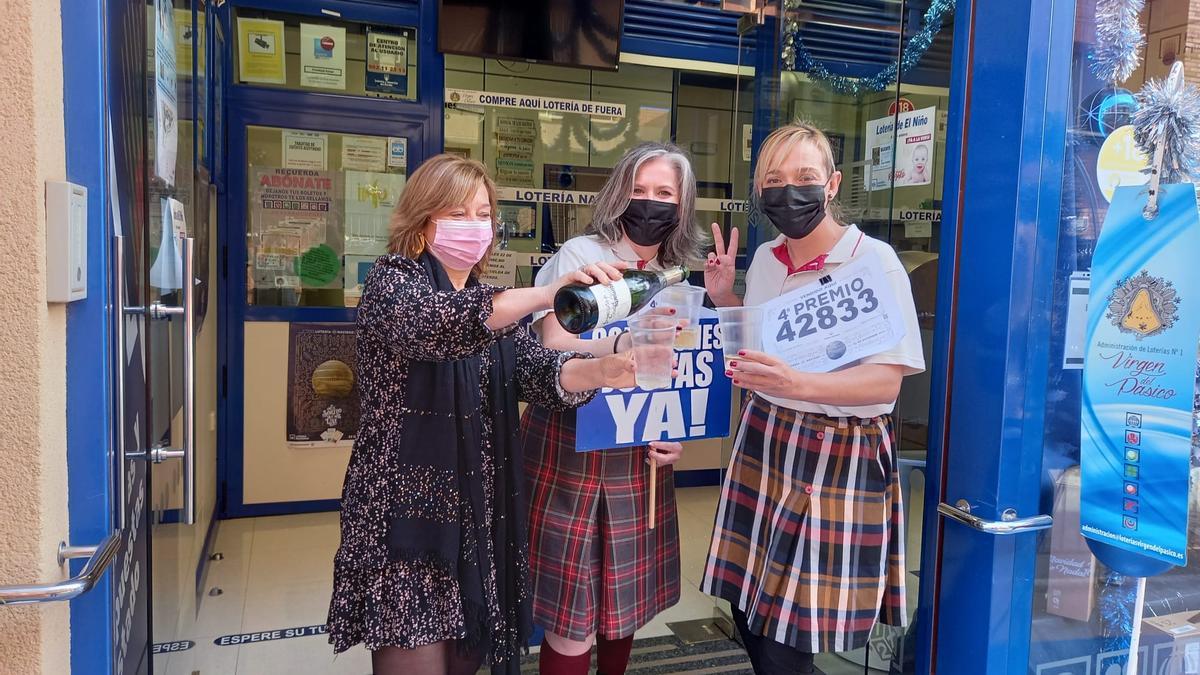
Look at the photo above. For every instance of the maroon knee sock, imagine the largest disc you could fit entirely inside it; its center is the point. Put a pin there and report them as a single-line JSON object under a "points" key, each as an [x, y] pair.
{"points": [[612, 656], [551, 662]]}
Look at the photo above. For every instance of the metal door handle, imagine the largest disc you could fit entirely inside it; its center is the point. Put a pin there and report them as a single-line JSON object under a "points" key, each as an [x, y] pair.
{"points": [[186, 311], [99, 558], [1009, 523]]}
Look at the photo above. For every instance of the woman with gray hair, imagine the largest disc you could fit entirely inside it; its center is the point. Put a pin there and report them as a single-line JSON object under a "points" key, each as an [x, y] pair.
{"points": [[599, 570]]}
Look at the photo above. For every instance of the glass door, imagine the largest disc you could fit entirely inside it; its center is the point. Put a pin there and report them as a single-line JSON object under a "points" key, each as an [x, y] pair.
{"points": [[126, 126], [1017, 588], [180, 373], [1082, 612]]}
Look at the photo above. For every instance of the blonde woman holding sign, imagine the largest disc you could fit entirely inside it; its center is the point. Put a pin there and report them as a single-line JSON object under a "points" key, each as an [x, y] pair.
{"points": [[601, 569], [808, 545]]}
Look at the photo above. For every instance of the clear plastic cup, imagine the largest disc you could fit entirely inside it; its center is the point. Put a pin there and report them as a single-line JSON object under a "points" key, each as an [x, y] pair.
{"points": [[653, 350], [741, 328], [686, 301]]}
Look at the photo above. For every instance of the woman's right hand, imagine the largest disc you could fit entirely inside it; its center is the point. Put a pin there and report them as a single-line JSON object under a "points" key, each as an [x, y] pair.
{"points": [[595, 273], [720, 268]]}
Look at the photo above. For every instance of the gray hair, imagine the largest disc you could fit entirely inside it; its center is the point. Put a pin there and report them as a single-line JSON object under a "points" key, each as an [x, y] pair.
{"points": [[685, 245]]}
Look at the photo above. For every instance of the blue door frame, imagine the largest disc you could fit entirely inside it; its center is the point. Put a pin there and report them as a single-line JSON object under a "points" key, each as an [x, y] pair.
{"points": [[89, 384], [1006, 144]]}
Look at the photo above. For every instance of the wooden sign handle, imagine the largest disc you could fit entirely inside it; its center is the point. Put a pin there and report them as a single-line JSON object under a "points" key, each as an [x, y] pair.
{"points": [[653, 492]]}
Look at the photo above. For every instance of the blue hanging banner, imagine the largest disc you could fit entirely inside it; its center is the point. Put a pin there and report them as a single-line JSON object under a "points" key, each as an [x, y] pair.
{"points": [[696, 406], [1138, 382]]}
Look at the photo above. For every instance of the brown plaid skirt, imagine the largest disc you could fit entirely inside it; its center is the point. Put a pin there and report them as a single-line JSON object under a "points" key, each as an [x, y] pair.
{"points": [[596, 566], [809, 531]]}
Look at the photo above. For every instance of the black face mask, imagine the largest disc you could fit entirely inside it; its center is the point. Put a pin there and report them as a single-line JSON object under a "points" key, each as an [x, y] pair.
{"points": [[648, 222], [794, 210]]}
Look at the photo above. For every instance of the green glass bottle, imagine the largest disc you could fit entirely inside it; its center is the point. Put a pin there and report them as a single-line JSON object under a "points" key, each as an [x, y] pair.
{"points": [[581, 308]]}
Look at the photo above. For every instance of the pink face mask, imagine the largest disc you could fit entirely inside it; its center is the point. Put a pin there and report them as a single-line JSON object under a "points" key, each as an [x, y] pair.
{"points": [[461, 244]]}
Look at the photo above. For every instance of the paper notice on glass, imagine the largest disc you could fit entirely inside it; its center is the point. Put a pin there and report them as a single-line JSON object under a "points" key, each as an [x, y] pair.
{"points": [[322, 56], [501, 269], [261, 51], [364, 153], [166, 108], [185, 40], [166, 273], [397, 153], [913, 133], [848, 315], [370, 198], [387, 63], [305, 150]]}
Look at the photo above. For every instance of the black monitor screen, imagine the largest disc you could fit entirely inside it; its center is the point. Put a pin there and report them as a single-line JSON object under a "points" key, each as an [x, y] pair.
{"points": [[585, 33]]}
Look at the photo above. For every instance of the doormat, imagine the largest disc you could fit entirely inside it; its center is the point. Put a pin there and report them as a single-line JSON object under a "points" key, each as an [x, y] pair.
{"points": [[669, 655], [701, 630]]}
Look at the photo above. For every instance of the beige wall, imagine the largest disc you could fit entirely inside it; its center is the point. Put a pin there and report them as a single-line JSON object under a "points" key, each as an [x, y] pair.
{"points": [[33, 469], [274, 470]]}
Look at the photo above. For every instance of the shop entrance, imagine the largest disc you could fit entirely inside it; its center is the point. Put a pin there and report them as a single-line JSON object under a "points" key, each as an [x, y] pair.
{"points": [[308, 166]]}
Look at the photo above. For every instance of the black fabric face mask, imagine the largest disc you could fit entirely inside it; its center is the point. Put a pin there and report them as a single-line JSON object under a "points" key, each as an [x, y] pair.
{"points": [[648, 222], [794, 210]]}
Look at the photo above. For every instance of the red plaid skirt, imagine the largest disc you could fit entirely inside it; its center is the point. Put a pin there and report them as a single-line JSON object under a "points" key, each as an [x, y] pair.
{"points": [[596, 566], [809, 530]]}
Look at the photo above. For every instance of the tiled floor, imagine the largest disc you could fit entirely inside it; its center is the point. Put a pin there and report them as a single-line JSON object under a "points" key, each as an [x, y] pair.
{"points": [[276, 574]]}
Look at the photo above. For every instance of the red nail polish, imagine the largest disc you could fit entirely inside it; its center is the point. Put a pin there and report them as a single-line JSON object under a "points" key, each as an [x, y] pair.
{"points": [[733, 364], [742, 353], [729, 373]]}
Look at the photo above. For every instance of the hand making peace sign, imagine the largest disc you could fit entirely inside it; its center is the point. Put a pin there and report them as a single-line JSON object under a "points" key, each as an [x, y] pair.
{"points": [[719, 269]]}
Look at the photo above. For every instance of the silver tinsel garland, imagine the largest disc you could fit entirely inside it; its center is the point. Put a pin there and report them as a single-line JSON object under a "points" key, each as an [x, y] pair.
{"points": [[1169, 113], [1119, 39]]}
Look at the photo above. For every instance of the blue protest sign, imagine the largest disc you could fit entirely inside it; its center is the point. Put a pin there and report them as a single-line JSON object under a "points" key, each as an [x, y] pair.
{"points": [[696, 406], [1138, 382]]}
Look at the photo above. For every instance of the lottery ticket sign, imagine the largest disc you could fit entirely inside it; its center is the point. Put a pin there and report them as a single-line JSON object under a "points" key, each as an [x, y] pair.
{"points": [[845, 316]]}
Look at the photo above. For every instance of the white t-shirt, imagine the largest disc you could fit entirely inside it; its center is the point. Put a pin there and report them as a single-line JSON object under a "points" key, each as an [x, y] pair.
{"points": [[586, 250], [768, 278]]}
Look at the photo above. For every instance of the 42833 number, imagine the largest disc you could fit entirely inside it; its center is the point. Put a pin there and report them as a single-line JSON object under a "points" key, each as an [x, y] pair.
{"points": [[826, 317]]}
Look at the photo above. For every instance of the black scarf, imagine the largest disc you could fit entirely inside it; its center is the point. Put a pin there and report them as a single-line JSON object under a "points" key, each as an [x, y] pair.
{"points": [[444, 426]]}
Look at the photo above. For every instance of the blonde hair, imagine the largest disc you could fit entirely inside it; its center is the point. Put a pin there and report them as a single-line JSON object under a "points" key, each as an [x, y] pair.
{"points": [[780, 143], [441, 182]]}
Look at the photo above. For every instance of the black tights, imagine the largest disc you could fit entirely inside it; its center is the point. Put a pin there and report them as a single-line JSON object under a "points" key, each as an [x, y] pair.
{"points": [[768, 656], [439, 658]]}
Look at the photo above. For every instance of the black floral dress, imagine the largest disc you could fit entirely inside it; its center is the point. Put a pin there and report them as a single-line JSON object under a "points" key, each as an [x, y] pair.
{"points": [[405, 324]]}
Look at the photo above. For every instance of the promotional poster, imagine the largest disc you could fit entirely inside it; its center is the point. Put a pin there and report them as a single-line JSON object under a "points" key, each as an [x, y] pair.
{"points": [[322, 402], [1138, 382], [913, 150]]}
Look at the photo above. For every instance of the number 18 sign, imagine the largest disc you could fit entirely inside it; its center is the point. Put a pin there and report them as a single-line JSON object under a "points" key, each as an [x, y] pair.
{"points": [[843, 317]]}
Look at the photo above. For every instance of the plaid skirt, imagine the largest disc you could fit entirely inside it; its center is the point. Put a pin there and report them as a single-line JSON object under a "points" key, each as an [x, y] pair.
{"points": [[808, 540], [596, 566]]}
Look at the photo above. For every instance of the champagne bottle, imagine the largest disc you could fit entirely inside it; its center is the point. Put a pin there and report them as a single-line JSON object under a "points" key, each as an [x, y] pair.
{"points": [[580, 308]]}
